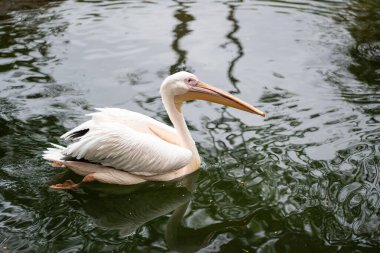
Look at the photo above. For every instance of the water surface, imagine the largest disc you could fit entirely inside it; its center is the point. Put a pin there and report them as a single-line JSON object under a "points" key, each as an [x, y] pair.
{"points": [[304, 179]]}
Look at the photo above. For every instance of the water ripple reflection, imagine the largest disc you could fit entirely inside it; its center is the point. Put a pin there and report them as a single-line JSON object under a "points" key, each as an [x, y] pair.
{"points": [[306, 178], [286, 178]]}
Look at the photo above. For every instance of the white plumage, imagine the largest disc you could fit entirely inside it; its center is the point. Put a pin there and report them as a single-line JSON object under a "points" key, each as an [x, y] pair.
{"points": [[124, 147], [122, 139]]}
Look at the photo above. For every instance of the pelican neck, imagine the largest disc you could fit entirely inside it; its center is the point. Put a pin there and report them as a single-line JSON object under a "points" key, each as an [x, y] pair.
{"points": [[176, 117]]}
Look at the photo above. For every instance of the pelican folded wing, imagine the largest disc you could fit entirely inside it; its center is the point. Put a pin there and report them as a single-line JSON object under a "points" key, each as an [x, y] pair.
{"points": [[123, 148]]}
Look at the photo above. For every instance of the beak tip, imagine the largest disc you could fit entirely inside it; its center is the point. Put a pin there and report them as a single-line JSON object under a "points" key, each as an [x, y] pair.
{"points": [[262, 114]]}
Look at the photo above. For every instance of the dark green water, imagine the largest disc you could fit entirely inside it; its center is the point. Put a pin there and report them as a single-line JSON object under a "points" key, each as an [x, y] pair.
{"points": [[305, 179]]}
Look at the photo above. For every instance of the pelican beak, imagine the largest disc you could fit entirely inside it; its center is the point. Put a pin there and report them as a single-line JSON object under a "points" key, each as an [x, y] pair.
{"points": [[203, 91]]}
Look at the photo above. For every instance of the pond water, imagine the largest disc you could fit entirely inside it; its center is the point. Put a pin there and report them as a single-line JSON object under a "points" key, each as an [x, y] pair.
{"points": [[304, 179]]}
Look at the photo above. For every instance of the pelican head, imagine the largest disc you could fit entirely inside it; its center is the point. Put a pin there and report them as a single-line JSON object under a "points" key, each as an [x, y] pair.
{"points": [[184, 86]]}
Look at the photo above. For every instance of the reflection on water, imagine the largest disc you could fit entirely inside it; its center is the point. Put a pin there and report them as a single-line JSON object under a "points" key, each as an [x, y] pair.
{"points": [[235, 41], [180, 31], [365, 53], [363, 27], [11, 5], [307, 173], [128, 212]]}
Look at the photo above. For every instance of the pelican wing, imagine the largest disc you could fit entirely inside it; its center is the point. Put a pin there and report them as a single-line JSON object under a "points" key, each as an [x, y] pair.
{"points": [[137, 121], [127, 141]]}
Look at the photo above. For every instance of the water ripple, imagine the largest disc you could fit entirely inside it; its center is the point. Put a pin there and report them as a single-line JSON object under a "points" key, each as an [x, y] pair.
{"points": [[282, 174], [308, 172]]}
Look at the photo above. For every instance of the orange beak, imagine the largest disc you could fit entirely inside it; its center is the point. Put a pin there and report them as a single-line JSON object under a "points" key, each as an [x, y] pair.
{"points": [[202, 91]]}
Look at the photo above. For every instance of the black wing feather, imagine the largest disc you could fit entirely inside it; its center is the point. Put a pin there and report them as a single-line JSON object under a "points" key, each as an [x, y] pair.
{"points": [[78, 133]]}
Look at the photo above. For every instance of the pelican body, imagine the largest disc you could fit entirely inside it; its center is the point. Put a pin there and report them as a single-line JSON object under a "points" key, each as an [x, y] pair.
{"points": [[118, 146]]}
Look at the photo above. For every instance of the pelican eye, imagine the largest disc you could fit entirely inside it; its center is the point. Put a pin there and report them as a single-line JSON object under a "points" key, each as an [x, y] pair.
{"points": [[191, 81]]}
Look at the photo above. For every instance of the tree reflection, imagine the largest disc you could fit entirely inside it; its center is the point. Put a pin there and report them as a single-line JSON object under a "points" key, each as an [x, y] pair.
{"points": [[364, 29], [12, 5], [361, 19], [180, 31], [231, 36]]}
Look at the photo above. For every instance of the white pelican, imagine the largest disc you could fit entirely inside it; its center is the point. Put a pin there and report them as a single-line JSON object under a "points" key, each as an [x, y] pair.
{"points": [[118, 146]]}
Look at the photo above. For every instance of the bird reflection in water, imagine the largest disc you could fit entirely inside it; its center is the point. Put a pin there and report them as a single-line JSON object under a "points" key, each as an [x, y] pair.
{"points": [[127, 208]]}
